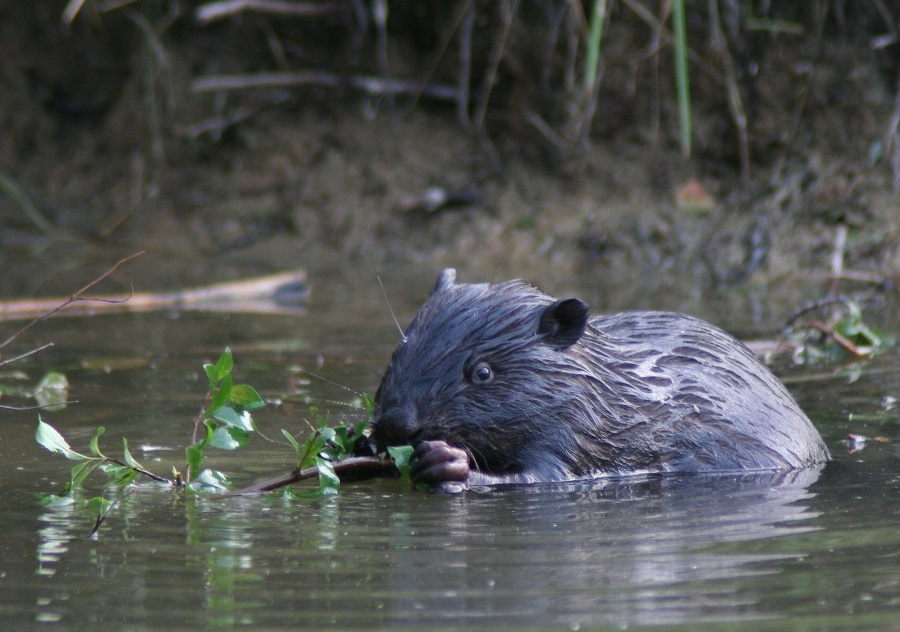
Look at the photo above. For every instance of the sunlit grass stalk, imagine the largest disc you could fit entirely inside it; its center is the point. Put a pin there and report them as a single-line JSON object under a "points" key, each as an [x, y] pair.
{"points": [[681, 77], [592, 59]]}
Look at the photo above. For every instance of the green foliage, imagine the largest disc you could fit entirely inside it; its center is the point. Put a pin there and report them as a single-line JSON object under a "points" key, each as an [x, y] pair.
{"points": [[326, 445], [840, 336], [225, 422], [681, 77], [592, 55], [402, 457], [119, 472]]}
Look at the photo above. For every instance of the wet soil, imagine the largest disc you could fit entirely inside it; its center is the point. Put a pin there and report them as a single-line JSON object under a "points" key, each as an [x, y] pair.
{"points": [[102, 134]]}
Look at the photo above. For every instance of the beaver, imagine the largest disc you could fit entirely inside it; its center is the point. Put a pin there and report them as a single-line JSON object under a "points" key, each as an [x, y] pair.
{"points": [[502, 383]]}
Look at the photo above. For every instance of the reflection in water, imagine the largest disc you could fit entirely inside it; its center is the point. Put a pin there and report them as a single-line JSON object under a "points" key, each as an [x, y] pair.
{"points": [[55, 535], [653, 550], [636, 552]]}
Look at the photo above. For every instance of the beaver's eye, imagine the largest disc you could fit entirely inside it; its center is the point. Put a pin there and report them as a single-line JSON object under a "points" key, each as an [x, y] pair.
{"points": [[481, 373]]}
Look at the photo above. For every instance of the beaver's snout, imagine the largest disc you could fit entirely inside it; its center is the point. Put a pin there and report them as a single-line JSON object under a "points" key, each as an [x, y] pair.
{"points": [[394, 426]]}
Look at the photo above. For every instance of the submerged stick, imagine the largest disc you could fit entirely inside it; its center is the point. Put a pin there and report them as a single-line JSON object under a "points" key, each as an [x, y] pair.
{"points": [[354, 468]]}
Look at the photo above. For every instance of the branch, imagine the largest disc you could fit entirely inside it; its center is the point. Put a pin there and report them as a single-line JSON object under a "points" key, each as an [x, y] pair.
{"points": [[370, 85], [77, 296], [140, 470], [353, 468], [217, 10]]}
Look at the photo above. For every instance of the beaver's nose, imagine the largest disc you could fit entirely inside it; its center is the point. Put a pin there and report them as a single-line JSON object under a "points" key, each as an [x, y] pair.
{"points": [[394, 426]]}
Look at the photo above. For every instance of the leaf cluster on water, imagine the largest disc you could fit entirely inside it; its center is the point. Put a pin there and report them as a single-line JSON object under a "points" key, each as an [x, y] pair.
{"points": [[836, 337], [225, 422]]}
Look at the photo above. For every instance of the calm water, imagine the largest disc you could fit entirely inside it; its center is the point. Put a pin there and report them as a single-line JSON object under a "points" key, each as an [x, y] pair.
{"points": [[812, 551]]}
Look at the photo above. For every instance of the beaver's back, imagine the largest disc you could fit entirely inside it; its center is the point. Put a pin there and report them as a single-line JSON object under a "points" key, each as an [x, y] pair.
{"points": [[691, 398]]}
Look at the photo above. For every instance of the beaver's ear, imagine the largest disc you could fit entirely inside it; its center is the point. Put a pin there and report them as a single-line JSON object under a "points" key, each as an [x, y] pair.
{"points": [[563, 323], [445, 279]]}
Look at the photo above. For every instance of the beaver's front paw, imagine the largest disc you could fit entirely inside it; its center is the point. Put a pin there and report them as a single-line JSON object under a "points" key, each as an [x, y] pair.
{"points": [[439, 464]]}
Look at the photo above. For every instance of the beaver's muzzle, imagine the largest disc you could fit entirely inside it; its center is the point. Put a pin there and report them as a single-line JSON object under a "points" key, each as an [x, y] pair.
{"points": [[394, 426]]}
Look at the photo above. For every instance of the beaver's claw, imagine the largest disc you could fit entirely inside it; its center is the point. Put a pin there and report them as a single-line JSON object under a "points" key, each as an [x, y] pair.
{"points": [[439, 464]]}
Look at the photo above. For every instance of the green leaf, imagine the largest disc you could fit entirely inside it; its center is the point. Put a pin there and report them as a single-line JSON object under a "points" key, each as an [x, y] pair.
{"points": [[224, 364], [359, 428], [80, 472], [328, 434], [52, 391], [59, 500], [221, 396], [245, 397], [194, 456], [238, 419], [369, 405], [49, 438], [210, 480], [211, 376], [402, 454], [229, 438], [95, 441], [119, 475], [98, 506], [127, 455], [294, 443], [327, 475]]}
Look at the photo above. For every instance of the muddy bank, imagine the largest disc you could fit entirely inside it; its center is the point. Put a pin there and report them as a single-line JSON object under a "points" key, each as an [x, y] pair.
{"points": [[105, 137]]}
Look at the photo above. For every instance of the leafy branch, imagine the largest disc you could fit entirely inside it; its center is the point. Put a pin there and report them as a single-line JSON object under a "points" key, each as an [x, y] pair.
{"points": [[224, 421], [331, 454]]}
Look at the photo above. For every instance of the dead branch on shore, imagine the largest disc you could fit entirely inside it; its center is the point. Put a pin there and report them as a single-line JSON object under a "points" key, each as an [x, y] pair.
{"points": [[370, 85]]}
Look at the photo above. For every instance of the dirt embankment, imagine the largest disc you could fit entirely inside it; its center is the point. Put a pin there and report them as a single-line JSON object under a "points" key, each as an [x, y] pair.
{"points": [[108, 135]]}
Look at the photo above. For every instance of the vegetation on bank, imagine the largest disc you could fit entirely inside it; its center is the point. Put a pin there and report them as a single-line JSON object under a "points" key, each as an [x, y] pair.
{"points": [[556, 71]]}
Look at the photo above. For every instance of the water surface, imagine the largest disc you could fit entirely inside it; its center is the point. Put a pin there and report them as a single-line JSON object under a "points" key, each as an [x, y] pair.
{"points": [[814, 550]]}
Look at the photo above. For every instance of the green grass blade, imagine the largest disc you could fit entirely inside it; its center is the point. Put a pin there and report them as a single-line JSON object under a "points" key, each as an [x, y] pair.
{"points": [[592, 59], [681, 77]]}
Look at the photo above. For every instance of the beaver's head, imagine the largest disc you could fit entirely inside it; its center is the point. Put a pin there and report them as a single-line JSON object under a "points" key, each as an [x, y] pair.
{"points": [[487, 368]]}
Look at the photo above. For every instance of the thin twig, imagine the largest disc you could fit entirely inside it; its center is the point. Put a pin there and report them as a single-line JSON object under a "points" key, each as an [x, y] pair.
{"points": [[140, 470], [215, 125], [77, 296], [507, 9], [102, 517], [892, 141], [465, 65], [20, 409], [735, 104], [24, 355]]}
